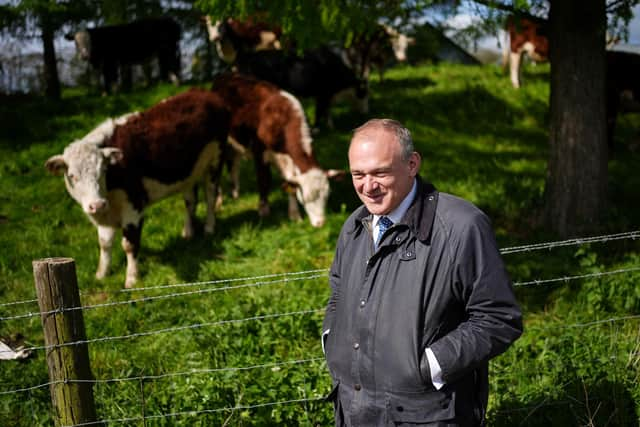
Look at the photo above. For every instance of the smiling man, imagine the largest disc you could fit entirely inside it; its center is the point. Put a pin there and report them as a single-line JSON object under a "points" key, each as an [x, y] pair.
{"points": [[420, 299]]}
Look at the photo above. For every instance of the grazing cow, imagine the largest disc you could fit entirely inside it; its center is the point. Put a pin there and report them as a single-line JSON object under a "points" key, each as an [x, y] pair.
{"points": [[622, 87], [128, 163], [377, 49], [319, 73], [110, 47], [232, 36], [270, 123], [524, 35]]}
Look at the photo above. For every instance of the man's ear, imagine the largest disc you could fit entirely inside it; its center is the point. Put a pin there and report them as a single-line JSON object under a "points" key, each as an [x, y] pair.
{"points": [[56, 165], [414, 162]]}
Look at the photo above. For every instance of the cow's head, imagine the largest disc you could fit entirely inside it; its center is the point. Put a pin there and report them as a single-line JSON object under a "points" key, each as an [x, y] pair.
{"points": [[84, 166], [312, 191], [400, 42], [220, 33], [83, 43]]}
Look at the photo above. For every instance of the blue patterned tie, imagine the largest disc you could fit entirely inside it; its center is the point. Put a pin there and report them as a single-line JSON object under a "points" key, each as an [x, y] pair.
{"points": [[383, 224]]}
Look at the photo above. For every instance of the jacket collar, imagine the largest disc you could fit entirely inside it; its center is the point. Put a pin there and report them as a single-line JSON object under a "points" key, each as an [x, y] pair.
{"points": [[419, 217]]}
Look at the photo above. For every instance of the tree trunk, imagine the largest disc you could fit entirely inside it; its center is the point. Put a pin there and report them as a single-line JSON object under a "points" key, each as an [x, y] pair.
{"points": [[51, 79], [576, 195]]}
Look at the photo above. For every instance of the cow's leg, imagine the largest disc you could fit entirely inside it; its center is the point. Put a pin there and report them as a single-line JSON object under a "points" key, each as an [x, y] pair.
{"points": [[322, 111], [131, 245], [294, 210], [514, 63], [190, 203], [263, 175], [105, 240], [212, 188]]}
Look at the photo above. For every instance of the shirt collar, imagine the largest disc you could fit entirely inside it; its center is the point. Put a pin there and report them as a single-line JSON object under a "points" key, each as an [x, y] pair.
{"points": [[396, 215]]}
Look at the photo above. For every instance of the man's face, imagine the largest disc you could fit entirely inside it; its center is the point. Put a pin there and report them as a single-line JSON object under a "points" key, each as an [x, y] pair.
{"points": [[380, 176]]}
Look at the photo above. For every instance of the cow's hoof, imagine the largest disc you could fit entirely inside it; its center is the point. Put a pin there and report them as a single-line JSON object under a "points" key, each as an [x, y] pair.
{"points": [[264, 211], [209, 229], [187, 234], [101, 275], [130, 282]]}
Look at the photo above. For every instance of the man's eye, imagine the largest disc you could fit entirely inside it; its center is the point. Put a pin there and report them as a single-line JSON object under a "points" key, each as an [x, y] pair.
{"points": [[357, 175]]}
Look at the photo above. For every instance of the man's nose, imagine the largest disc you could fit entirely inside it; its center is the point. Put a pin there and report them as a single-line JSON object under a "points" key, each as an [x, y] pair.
{"points": [[370, 184]]}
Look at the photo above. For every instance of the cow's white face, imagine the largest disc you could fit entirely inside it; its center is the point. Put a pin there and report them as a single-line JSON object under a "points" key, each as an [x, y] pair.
{"points": [[400, 44], [217, 34], [83, 44], [84, 166], [313, 192]]}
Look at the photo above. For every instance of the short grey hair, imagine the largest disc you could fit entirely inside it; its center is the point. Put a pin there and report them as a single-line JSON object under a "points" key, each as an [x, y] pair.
{"points": [[392, 126]]}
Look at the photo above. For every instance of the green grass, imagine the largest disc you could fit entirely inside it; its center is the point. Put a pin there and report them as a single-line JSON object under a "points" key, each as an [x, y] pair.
{"points": [[479, 139]]}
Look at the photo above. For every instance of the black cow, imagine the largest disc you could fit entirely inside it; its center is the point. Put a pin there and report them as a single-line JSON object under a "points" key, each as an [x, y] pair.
{"points": [[319, 73], [623, 87], [110, 47]]}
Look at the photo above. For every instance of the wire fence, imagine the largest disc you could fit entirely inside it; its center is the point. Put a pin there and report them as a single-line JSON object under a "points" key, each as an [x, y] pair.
{"points": [[219, 285]]}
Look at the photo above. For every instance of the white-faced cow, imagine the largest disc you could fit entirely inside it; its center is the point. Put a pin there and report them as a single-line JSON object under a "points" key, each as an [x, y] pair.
{"points": [[108, 48], [232, 36], [377, 49], [271, 124], [524, 35], [128, 163]]}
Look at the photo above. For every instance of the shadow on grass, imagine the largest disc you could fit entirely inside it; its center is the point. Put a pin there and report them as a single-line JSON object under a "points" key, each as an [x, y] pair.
{"points": [[604, 404]]}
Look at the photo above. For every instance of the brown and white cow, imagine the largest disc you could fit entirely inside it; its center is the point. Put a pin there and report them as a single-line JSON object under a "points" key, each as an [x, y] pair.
{"points": [[270, 123], [524, 35], [126, 164], [231, 36], [377, 49]]}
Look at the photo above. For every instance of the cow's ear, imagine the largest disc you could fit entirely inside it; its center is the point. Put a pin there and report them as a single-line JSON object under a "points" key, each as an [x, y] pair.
{"points": [[411, 41], [336, 174], [114, 155], [56, 165], [289, 187]]}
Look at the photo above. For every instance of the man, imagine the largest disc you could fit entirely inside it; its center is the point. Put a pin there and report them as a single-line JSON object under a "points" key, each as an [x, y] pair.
{"points": [[418, 306]]}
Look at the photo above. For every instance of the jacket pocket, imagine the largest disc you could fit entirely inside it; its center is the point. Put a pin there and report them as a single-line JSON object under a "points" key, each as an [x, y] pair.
{"points": [[420, 408]]}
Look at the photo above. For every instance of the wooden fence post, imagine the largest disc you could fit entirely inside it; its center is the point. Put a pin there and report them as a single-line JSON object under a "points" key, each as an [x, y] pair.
{"points": [[57, 289]]}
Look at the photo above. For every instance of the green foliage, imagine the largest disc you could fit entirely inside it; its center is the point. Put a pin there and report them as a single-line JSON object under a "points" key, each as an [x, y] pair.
{"points": [[479, 138]]}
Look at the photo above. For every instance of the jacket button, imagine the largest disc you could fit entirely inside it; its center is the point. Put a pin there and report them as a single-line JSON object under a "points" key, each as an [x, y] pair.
{"points": [[399, 409], [409, 254], [356, 346], [362, 303], [398, 238], [431, 197], [357, 387]]}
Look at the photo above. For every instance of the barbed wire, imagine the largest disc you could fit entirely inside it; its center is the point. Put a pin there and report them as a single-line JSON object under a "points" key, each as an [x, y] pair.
{"points": [[159, 297], [285, 280], [7, 304], [513, 249], [167, 375], [571, 242], [200, 412], [171, 329], [581, 276]]}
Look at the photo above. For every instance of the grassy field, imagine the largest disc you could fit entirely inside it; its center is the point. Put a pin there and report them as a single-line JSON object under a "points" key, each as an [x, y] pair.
{"points": [[479, 138]]}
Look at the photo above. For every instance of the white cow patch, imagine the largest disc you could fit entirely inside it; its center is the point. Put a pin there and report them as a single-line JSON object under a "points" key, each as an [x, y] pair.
{"points": [[305, 133], [157, 190]]}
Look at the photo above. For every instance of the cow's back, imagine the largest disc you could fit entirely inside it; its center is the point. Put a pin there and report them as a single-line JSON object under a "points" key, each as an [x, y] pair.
{"points": [[164, 142]]}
